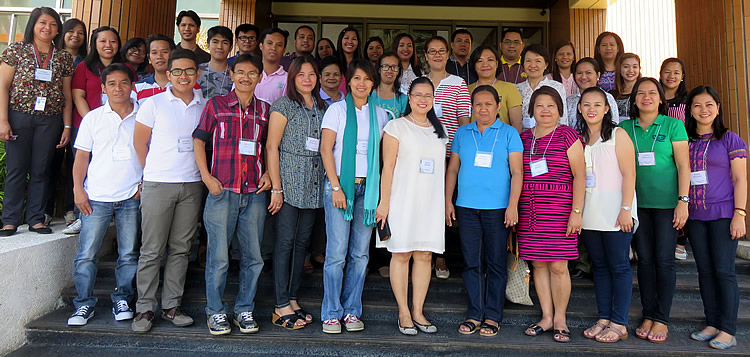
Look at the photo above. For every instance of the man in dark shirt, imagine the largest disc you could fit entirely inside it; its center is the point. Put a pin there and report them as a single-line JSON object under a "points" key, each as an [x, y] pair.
{"points": [[458, 63], [511, 69], [246, 38], [189, 26], [304, 43]]}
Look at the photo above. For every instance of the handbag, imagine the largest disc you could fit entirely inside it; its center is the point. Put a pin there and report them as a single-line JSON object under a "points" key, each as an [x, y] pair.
{"points": [[517, 286]]}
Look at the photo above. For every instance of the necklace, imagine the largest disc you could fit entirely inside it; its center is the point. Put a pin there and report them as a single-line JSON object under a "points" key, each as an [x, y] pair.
{"points": [[423, 123]]}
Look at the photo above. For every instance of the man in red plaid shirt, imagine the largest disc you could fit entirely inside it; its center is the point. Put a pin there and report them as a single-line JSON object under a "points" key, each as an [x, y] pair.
{"points": [[235, 126]]}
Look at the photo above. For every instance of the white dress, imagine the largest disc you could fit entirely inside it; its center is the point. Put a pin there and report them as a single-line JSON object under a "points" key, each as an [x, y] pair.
{"points": [[417, 211]]}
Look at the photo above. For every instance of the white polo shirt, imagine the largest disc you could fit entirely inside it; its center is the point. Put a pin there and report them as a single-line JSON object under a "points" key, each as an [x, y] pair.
{"points": [[171, 122], [114, 170]]}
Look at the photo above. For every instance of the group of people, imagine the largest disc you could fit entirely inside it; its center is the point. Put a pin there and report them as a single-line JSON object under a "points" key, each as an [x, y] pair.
{"points": [[515, 144]]}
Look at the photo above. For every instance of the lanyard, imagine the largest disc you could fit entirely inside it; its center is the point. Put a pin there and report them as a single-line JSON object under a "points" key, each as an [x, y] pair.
{"points": [[493, 144], [255, 118], [509, 67], [468, 73], [47, 60], [636, 140], [533, 141]]}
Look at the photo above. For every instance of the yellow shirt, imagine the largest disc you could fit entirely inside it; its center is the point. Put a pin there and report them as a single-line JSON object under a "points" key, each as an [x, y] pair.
{"points": [[509, 98]]}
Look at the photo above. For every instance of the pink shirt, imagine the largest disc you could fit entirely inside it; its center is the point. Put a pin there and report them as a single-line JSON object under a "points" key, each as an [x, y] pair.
{"points": [[272, 86], [571, 88]]}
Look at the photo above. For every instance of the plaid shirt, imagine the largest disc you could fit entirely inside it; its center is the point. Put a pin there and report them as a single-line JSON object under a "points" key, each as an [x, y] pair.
{"points": [[220, 125]]}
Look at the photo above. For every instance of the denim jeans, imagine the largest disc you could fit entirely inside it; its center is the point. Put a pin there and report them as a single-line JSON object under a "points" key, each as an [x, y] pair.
{"points": [[127, 216], [226, 214], [484, 242], [294, 226], [654, 241], [348, 245], [715, 251], [613, 277]]}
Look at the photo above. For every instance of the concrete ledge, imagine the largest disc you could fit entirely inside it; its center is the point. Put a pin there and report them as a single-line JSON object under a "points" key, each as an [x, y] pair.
{"points": [[743, 249], [35, 269]]}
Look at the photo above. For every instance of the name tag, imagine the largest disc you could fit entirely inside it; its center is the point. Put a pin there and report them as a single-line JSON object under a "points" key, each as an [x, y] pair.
{"points": [[43, 75], [427, 166], [538, 167], [590, 180], [362, 147], [646, 159], [41, 102], [438, 110], [312, 144], [121, 153], [529, 123], [698, 178], [483, 159], [248, 147], [185, 144]]}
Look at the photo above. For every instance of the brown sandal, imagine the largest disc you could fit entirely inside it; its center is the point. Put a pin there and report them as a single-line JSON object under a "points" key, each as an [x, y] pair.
{"points": [[621, 336], [587, 333], [642, 332]]}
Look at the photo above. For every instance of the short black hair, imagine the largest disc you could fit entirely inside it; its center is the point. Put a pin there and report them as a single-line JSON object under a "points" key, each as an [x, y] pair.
{"points": [[249, 58], [189, 13], [117, 67], [508, 30], [486, 88], [588, 60], [222, 31], [180, 53], [246, 28], [477, 53], [159, 37], [366, 66], [271, 30], [296, 32], [461, 32], [330, 60], [538, 49], [28, 34], [69, 25], [634, 111], [546, 90]]}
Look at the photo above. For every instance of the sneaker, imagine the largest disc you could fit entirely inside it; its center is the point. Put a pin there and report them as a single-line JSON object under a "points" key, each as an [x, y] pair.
{"points": [[332, 326], [353, 323], [143, 322], [177, 317], [245, 322], [122, 311], [218, 324], [81, 316], [73, 228]]}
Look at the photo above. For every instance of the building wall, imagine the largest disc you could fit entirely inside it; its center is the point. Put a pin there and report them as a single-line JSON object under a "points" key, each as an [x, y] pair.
{"points": [[130, 17], [585, 26]]}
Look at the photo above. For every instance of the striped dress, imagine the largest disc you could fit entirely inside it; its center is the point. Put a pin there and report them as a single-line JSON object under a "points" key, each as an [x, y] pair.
{"points": [[452, 101], [546, 200], [676, 108]]}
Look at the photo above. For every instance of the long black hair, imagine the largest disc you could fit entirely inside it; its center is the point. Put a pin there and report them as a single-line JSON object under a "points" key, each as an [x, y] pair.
{"points": [[340, 46], [682, 91], [28, 34], [92, 60], [598, 56], [397, 81], [135, 42], [608, 126], [333, 48], [414, 61], [692, 124], [431, 116], [69, 25], [555, 69], [291, 87]]}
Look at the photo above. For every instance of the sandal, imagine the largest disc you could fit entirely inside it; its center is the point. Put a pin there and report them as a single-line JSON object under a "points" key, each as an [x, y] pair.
{"points": [[302, 315], [658, 339], [620, 336], [286, 321], [562, 336], [588, 332], [472, 328], [536, 329], [642, 332], [493, 329]]}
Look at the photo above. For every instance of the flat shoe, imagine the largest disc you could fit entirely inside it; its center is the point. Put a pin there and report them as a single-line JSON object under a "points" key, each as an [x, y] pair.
{"points": [[409, 331], [721, 345], [425, 328], [487, 326], [562, 336], [700, 336], [620, 335], [7, 232], [472, 328], [538, 330], [41, 230]]}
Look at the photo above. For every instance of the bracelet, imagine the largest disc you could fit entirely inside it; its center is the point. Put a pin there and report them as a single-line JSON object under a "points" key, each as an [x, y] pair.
{"points": [[740, 212], [277, 190], [740, 209], [67, 127]]}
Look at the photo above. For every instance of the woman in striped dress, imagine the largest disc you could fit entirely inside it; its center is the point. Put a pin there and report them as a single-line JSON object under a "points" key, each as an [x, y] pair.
{"points": [[554, 177]]}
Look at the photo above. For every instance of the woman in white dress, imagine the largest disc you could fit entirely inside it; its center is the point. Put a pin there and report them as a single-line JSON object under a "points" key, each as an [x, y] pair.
{"points": [[413, 174]]}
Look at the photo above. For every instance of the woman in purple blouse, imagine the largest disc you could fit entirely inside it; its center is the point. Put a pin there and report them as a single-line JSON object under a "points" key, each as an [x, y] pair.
{"points": [[718, 195]]}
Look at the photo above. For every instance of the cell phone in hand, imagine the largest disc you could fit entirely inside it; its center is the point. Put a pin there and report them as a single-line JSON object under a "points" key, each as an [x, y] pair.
{"points": [[384, 233]]}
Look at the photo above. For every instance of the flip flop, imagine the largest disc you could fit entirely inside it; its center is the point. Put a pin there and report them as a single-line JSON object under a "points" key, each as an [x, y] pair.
{"points": [[472, 328], [538, 330], [643, 333], [658, 339], [562, 336], [620, 335], [587, 332]]}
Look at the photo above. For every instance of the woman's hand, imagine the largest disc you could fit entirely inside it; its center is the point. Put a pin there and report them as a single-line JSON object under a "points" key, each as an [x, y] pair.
{"points": [[5, 131], [339, 199], [737, 227], [382, 213], [450, 214], [64, 138], [511, 216], [624, 221], [277, 200], [680, 215], [574, 224]]}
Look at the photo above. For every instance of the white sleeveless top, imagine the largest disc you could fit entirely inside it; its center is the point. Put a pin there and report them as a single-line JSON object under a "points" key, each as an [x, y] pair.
{"points": [[603, 201]]}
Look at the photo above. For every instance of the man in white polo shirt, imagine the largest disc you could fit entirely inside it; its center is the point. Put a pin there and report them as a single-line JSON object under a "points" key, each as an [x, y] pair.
{"points": [[107, 186], [172, 190]]}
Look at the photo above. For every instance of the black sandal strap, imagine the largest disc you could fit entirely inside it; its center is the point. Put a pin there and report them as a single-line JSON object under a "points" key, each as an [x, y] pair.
{"points": [[472, 326], [493, 328]]}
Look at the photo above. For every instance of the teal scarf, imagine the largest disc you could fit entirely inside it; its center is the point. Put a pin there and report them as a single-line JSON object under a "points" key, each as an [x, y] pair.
{"points": [[349, 163]]}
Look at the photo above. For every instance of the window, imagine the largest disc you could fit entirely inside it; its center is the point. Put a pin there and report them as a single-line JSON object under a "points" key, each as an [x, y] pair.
{"points": [[14, 15], [291, 27]]}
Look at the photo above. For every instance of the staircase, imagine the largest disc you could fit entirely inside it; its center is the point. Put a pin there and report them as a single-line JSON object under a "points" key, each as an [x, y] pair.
{"points": [[445, 307]]}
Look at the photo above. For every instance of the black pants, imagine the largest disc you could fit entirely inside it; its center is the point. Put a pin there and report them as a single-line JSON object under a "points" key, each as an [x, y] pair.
{"points": [[31, 153], [294, 226]]}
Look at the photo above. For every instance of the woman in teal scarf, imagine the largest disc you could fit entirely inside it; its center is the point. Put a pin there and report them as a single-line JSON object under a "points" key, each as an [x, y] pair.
{"points": [[350, 150]]}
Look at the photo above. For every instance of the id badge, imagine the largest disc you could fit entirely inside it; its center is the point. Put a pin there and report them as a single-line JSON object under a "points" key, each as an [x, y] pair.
{"points": [[646, 159], [427, 166], [121, 153], [529, 123], [590, 180], [248, 147], [41, 103], [538, 167], [699, 178], [438, 110], [483, 159], [312, 144], [43, 75], [362, 147], [185, 144]]}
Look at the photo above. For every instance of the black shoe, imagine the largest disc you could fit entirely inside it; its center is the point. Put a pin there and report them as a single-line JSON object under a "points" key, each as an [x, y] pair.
{"points": [[41, 230], [578, 274], [8, 232]]}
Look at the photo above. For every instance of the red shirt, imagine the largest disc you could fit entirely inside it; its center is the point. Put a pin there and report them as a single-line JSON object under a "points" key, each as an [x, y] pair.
{"points": [[91, 83], [220, 127]]}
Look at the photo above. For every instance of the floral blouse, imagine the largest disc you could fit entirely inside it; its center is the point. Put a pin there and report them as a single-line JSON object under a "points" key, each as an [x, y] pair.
{"points": [[25, 89]]}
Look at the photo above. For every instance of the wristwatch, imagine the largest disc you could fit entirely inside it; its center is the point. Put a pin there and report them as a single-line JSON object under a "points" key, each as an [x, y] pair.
{"points": [[336, 188], [577, 210], [685, 199]]}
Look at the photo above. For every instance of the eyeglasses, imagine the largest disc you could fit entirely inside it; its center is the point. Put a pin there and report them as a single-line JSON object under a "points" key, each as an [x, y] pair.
{"points": [[136, 50], [441, 52], [247, 38], [179, 71], [422, 96], [251, 74], [385, 67], [514, 43]]}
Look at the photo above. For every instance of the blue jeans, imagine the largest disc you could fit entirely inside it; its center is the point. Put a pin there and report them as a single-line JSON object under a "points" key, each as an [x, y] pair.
{"points": [[348, 244], [654, 241], [226, 214], [127, 216], [484, 243], [613, 277], [715, 251]]}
